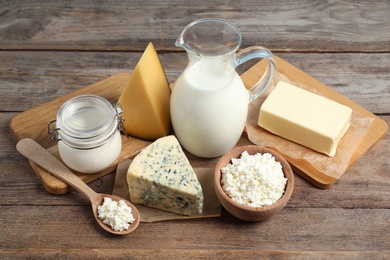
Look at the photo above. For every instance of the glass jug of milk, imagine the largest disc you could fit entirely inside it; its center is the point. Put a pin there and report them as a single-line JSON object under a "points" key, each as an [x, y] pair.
{"points": [[209, 102]]}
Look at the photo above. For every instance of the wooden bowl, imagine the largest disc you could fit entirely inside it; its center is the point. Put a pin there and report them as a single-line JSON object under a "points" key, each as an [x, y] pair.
{"points": [[246, 212]]}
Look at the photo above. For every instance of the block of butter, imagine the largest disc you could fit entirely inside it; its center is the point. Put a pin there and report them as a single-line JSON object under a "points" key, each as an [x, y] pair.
{"points": [[305, 118]]}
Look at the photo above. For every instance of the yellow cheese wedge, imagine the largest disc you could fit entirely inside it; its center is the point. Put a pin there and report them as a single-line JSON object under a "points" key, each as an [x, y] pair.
{"points": [[305, 118], [145, 99]]}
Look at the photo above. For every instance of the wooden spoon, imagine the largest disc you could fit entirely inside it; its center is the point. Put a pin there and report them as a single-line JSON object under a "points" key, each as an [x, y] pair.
{"points": [[39, 155]]}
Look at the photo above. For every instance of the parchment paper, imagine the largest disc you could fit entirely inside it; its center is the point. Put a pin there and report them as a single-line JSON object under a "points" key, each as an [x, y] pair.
{"points": [[211, 205], [331, 166]]}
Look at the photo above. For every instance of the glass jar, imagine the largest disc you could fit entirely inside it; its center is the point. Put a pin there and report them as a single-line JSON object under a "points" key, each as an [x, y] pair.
{"points": [[87, 133]]}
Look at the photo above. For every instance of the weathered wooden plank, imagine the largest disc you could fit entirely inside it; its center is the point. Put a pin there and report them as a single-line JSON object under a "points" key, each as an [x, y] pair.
{"points": [[300, 229], [307, 25], [145, 254], [28, 79]]}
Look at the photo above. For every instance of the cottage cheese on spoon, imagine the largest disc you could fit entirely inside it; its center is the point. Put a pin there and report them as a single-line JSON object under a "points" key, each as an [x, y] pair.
{"points": [[116, 214]]}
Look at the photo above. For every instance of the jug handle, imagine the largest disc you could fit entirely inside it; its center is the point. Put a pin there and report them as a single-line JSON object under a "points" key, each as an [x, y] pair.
{"points": [[257, 52]]}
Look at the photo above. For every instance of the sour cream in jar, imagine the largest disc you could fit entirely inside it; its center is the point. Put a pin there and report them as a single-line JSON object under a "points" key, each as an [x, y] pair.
{"points": [[87, 133]]}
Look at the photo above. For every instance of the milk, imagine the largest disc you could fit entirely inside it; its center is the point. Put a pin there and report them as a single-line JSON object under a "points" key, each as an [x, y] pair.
{"points": [[209, 106]]}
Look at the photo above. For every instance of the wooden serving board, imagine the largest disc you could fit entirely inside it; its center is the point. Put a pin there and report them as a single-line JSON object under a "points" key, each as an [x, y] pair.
{"points": [[304, 168], [33, 124]]}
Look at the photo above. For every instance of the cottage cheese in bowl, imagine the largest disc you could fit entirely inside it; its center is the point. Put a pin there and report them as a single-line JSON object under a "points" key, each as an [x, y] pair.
{"points": [[253, 183], [254, 180]]}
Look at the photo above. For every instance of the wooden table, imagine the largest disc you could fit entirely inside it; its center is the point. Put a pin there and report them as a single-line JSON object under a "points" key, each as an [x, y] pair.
{"points": [[51, 48]]}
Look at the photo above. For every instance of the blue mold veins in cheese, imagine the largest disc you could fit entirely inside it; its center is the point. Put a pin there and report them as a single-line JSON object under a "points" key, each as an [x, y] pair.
{"points": [[161, 177]]}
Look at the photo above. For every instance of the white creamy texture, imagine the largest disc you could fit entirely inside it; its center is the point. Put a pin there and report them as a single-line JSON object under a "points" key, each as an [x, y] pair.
{"points": [[209, 107], [115, 214], [91, 160], [254, 180]]}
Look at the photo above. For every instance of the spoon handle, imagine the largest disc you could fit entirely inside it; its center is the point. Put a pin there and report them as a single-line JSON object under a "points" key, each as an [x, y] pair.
{"points": [[39, 155]]}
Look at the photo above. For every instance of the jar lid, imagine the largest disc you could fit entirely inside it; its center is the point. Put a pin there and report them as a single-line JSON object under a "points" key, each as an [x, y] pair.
{"points": [[86, 121]]}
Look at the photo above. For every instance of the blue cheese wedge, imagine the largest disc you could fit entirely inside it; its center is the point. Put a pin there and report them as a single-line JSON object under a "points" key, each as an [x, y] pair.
{"points": [[161, 177]]}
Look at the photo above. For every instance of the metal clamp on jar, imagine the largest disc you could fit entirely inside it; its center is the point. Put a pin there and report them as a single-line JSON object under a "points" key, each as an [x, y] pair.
{"points": [[87, 132]]}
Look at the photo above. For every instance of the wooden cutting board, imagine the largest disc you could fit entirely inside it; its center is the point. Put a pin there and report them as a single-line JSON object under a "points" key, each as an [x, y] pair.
{"points": [[298, 77], [33, 124]]}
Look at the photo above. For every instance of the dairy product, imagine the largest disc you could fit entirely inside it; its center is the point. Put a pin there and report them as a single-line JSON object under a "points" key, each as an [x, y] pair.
{"points": [[305, 118], [118, 215], [209, 106], [92, 160], [145, 99], [162, 177], [254, 180], [87, 134]]}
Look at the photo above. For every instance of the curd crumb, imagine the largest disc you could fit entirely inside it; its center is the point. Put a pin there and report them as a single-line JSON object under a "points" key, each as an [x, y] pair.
{"points": [[254, 180], [118, 215]]}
